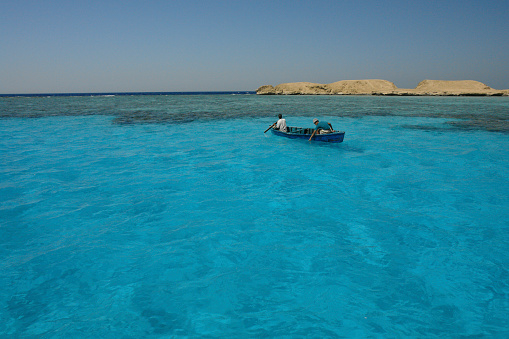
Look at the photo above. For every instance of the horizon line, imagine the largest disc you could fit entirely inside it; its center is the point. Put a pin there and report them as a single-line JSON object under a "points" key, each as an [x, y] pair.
{"points": [[124, 93]]}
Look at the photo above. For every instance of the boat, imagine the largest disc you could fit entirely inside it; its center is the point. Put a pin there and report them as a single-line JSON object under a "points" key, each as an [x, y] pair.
{"points": [[305, 133]]}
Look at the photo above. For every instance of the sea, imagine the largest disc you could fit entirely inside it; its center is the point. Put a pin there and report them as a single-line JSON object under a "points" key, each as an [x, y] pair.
{"points": [[173, 215]]}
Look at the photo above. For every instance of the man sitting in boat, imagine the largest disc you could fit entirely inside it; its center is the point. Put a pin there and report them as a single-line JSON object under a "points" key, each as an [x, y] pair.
{"points": [[322, 127], [281, 124]]}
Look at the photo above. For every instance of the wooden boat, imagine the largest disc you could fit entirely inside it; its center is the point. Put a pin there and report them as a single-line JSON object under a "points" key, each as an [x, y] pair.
{"points": [[305, 133]]}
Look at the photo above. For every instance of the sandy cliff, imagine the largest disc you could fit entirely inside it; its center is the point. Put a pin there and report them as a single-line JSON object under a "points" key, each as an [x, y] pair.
{"points": [[361, 86], [383, 87], [294, 88], [443, 87]]}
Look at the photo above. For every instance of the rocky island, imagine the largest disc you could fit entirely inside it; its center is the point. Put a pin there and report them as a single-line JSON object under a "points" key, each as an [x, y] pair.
{"points": [[383, 87]]}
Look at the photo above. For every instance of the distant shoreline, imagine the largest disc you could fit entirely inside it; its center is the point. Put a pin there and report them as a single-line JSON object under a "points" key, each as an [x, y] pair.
{"points": [[107, 94], [380, 87]]}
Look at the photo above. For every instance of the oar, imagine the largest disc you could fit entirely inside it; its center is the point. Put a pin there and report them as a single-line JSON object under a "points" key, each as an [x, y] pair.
{"points": [[312, 135], [269, 127]]}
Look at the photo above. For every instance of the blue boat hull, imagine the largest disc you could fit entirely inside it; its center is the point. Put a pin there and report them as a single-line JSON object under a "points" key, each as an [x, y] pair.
{"points": [[305, 133]]}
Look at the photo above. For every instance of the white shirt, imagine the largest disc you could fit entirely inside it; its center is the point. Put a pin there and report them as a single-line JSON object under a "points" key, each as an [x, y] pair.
{"points": [[281, 125]]}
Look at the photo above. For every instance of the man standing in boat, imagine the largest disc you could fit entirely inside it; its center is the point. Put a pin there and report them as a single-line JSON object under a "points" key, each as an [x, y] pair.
{"points": [[321, 128]]}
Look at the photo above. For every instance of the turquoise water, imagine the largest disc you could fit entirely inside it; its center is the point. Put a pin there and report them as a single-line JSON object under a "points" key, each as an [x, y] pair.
{"points": [[176, 216]]}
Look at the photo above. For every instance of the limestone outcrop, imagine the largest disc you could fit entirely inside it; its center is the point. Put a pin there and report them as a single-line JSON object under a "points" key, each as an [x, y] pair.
{"points": [[301, 88], [452, 88], [361, 86], [266, 90], [383, 87]]}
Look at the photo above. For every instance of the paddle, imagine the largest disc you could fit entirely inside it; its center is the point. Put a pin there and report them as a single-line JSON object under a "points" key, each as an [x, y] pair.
{"points": [[312, 135], [270, 127]]}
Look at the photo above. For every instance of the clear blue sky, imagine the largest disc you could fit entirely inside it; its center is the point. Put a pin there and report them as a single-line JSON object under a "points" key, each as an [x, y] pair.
{"points": [[61, 46]]}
